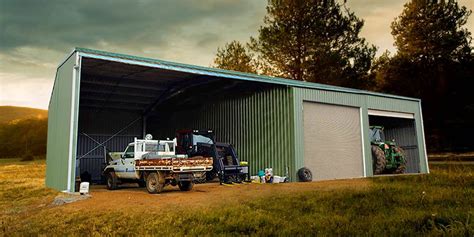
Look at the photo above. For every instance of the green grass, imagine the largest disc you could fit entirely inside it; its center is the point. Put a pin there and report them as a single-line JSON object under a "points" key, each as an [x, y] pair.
{"points": [[437, 204]]}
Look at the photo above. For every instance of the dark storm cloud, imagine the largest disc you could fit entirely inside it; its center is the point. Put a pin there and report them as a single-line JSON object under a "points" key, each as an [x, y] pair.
{"points": [[59, 24], [35, 35]]}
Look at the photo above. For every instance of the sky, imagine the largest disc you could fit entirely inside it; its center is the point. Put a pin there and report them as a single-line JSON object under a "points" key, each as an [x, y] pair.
{"points": [[36, 35]]}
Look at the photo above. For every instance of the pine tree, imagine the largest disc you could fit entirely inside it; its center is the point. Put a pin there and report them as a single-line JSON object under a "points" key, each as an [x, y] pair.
{"points": [[234, 56], [434, 62], [313, 40]]}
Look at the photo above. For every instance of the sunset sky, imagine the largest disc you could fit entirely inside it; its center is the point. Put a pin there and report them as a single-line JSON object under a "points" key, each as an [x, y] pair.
{"points": [[36, 35]]}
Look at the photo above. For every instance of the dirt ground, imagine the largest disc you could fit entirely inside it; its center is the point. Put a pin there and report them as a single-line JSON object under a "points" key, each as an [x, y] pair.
{"points": [[202, 195], [409, 205]]}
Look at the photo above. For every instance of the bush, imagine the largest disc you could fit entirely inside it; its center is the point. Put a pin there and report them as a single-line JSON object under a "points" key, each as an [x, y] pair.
{"points": [[27, 135]]}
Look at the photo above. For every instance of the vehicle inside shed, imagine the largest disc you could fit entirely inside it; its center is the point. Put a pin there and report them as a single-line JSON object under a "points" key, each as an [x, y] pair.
{"points": [[120, 101], [402, 131]]}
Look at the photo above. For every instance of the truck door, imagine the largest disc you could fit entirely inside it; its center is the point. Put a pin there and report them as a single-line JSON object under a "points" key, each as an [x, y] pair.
{"points": [[126, 167]]}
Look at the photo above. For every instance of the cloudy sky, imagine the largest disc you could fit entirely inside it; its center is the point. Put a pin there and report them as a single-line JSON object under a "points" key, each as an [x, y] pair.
{"points": [[36, 35]]}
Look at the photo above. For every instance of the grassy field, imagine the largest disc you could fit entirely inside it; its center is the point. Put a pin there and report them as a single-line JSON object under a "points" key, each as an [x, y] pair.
{"points": [[441, 203]]}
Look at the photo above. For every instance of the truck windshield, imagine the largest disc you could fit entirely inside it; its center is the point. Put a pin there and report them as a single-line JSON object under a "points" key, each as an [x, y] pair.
{"points": [[150, 147], [129, 152]]}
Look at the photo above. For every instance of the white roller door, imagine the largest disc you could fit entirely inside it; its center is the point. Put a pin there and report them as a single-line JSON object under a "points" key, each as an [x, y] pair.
{"points": [[332, 141]]}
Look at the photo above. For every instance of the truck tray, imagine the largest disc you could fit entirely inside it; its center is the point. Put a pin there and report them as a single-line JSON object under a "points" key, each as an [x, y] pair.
{"points": [[196, 163]]}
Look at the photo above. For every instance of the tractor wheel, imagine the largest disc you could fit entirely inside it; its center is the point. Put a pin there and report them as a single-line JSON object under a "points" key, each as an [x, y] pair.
{"points": [[378, 158], [155, 182], [400, 169], [185, 185], [305, 175]]}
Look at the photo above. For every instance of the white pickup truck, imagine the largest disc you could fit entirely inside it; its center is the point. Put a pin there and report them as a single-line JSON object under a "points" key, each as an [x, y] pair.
{"points": [[153, 164]]}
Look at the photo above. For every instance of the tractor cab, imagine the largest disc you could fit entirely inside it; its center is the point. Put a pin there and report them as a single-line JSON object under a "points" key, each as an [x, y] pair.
{"points": [[376, 134]]}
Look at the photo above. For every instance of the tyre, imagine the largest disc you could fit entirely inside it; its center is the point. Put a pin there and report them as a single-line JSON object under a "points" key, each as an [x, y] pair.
{"points": [[155, 182], [402, 168], [112, 180], [378, 158], [305, 175], [185, 185]]}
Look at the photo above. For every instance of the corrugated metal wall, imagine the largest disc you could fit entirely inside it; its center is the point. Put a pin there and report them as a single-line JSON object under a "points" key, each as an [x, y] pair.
{"points": [[405, 136], [101, 125], [62, 109], [259, 126], [91, 156], [96, 121], [364, 102]]}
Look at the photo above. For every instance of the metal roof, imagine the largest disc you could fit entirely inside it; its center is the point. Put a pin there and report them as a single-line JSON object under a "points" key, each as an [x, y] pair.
{"points": [[215, 72]]}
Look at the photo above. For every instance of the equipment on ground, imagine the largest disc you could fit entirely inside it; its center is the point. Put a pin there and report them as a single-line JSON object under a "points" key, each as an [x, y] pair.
{"points": [[388, 157], [153, 164], [305, 175], [226, 164]]}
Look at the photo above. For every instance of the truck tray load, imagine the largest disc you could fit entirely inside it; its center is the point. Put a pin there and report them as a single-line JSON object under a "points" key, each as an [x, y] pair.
{"points": [[197, 163]]}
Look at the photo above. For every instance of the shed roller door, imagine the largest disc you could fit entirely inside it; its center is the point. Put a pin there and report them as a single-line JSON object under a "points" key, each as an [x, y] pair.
{"points": [[332, 141]]}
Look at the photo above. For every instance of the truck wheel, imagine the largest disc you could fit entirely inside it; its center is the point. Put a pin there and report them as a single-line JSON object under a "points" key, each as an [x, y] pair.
{"points": [[305, 175], [112, 180], [185, 185], [155, 182], [378, 157]]}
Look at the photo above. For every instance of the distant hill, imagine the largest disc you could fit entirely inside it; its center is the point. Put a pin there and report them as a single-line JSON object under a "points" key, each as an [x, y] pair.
{"points": [[10, 113]]}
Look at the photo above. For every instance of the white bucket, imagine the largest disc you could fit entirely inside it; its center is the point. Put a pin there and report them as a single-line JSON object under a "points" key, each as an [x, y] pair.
{"points": [[84, 188]]}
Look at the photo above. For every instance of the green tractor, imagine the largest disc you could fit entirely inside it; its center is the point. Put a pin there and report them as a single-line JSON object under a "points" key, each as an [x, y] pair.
{"points": [[388, 158]]}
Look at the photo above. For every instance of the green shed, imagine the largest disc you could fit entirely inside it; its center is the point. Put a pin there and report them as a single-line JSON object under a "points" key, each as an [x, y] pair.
{"points": [[101, 101]]}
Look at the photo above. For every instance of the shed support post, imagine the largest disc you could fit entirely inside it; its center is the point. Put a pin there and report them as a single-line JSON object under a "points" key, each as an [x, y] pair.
{"points": [[143, 126]]}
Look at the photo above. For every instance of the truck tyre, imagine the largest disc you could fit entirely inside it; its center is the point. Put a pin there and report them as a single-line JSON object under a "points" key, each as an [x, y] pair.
{"points": [[185, 185], [400, 169], [305, 175], [112, 180], [378, 158], [155, 182]]}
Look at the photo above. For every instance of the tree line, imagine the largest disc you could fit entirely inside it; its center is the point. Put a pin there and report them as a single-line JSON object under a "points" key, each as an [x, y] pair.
{"points": [[24, 138], [319, 41]]}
